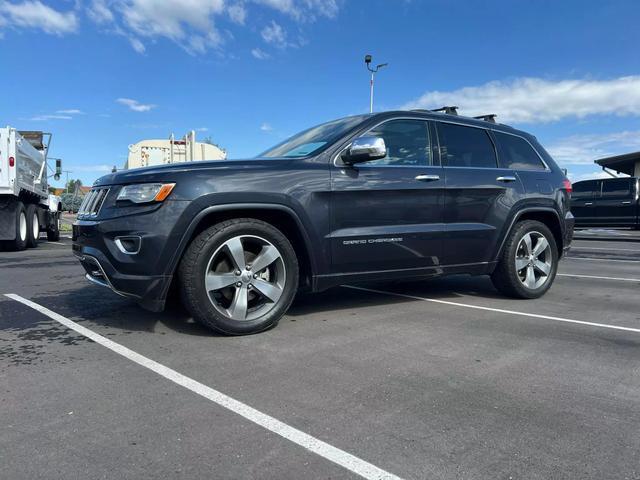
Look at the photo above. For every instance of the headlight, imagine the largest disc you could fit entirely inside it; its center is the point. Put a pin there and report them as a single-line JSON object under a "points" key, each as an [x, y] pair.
{"points": [[145, 192]]}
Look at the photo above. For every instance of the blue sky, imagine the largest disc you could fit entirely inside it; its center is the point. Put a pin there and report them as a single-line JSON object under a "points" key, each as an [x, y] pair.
{"points": [[104, 74]]}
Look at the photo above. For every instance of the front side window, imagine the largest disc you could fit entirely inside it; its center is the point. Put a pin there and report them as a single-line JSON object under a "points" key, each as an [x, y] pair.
{"points": [[407, 142], [618, 187], [462, 146], [516, 153], [584, 189]]}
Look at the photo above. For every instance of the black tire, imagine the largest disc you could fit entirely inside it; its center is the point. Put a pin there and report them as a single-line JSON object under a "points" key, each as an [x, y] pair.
{"points": [[20, 242], [508, 280], [33, 234], [207, 306], [53, 232]]}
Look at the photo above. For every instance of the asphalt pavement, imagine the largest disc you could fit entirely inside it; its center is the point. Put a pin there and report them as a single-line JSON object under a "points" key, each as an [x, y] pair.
{"points": [[433, 379]]}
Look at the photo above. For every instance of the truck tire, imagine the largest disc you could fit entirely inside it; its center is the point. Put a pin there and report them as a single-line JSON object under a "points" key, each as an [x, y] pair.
{"points": [[53, 232], [529, 261], [239, 277], [22, 230], [33, 226]]}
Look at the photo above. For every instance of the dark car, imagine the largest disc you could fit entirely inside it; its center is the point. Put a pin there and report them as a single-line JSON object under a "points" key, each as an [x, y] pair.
{"points": [[395, 195], [608, 202]]}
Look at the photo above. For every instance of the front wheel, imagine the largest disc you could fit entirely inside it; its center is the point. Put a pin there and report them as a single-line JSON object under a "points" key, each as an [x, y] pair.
{"points": [[529, 261], [239, 276]]}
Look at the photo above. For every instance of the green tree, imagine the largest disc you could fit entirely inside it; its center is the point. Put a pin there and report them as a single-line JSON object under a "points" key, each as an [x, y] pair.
{"points": [[72, 185]]}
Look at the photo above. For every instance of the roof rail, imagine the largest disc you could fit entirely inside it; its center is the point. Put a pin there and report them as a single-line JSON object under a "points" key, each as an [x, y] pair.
{"points": [[450, 110], [491, 117]]}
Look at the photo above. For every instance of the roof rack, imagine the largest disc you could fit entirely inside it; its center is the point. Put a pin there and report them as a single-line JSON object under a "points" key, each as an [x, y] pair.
{"points": [[449, 110], [491, 117]]}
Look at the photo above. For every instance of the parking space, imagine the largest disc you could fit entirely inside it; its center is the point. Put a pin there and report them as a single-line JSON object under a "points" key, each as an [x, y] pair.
{"points": [[440, 378]]}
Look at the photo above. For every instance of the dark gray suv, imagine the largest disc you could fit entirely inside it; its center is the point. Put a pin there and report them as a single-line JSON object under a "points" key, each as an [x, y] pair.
{"points": [[395, 195]]}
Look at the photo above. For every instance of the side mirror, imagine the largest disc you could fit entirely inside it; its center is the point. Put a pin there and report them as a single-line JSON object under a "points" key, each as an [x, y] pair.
{"points": [[365, 149]]}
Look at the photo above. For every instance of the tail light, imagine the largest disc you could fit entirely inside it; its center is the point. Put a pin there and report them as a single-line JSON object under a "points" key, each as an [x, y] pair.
{"points": [[12, 162], [566, 184]]}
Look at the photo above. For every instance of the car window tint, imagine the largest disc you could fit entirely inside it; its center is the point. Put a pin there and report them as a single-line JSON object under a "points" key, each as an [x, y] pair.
{"points": [[618, 187], [462, 146], [407, 143], [583, 189], [516, 153]]}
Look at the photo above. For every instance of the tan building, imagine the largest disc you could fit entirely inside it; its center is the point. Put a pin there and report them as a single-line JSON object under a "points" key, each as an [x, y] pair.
{"points": [[159, 152]]}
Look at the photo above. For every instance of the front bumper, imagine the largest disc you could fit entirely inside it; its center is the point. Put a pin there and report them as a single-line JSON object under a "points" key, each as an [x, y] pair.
{"points": [[145, 273]]}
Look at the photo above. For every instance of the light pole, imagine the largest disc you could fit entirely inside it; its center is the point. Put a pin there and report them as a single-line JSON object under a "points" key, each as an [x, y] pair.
{"points": [[367, 61]]}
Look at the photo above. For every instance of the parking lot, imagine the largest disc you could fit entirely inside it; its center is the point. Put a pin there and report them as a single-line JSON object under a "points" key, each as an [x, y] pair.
{"points": [[440, 378]]}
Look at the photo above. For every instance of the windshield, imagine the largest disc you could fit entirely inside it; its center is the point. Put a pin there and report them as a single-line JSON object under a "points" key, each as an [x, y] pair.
{"points": [[314, 139]]}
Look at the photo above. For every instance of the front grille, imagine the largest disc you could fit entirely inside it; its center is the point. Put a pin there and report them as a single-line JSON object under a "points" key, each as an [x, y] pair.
{"points": [[92, 202]]}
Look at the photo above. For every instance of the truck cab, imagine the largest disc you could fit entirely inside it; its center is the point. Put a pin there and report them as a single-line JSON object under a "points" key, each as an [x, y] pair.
{"points": [[609, 202]]}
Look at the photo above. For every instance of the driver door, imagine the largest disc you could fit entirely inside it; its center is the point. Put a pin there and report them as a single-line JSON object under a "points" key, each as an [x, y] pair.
{"points": [[387, 214]]}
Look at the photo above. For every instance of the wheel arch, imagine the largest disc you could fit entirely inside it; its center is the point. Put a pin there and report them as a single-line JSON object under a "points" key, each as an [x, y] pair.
{"points": [[280, 216], [546, 215]]}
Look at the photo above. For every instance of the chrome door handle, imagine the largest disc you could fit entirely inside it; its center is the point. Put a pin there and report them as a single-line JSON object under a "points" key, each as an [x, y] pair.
{"points": [[428, 178], [588, 203], [506, 179], [627, 202]]}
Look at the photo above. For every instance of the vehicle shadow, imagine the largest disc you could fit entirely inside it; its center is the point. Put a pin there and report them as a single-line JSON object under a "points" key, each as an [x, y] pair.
{"points": [[93, 304]]}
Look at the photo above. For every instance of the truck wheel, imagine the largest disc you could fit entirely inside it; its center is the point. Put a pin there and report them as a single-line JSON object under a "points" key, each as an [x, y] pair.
{"points": [[239, 276], [33, 226], [528, 263], [22, 229], [53, 232]]}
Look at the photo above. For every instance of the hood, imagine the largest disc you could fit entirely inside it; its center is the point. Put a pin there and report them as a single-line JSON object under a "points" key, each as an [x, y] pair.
{"points": [[168, 172]]}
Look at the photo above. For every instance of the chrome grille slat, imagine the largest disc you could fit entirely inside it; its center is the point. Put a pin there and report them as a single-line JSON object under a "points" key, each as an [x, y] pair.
{"points": [[93, 202]]}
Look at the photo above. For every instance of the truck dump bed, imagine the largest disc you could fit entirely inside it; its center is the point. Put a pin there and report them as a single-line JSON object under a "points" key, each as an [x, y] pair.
{"points": [[23, 157]]}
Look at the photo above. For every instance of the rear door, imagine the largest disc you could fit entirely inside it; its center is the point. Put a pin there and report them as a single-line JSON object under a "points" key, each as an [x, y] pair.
{"points": [[616, 206], [582, 202], [387, 214], [478, 194]]}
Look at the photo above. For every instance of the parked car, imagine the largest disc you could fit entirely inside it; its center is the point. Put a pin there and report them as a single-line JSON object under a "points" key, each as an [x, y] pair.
{"points": [[395, 195], [608, 202]]}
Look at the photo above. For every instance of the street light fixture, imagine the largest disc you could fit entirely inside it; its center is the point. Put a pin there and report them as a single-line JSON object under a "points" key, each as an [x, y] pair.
{"points": [[367, 61]]}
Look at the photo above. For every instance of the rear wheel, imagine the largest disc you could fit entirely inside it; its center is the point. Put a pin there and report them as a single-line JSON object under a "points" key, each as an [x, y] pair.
{"points": [[53, 232], [20, 242], [239, 276], [33, 226], [528, 263]]}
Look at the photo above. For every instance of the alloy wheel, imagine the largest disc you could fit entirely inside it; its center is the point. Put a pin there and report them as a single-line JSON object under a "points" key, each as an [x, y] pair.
{"points": [[534, 260], [245, 277]]}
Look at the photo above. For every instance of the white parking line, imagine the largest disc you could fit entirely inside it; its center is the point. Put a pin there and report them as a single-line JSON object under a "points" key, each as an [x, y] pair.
{"points": [[592, 259], [578, 247], [498, 310], [323, 449], [595, 277]]}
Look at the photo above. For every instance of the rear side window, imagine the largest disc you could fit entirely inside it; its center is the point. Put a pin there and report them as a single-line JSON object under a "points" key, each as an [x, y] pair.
{"points": [[619, 187], [584, 189], [516, 153], [462, 146]]}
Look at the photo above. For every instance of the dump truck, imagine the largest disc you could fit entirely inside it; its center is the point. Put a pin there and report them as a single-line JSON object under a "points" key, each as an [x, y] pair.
{"points": [[26, 207]]}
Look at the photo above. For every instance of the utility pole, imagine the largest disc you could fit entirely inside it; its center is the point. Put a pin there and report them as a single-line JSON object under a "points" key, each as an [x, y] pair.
{"points": [[367, 61]]}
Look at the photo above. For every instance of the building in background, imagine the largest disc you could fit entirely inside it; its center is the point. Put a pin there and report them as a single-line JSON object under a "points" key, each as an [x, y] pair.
{"points": [[628, 164], [160, 152]]}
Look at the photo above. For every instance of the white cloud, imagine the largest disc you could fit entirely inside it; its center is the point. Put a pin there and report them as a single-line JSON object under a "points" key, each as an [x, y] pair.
{"points": [[135, 105], [274, 34], [45, 118], [265, 127], [303, 10], [260, 54], [202, 129], [535, 100], [99, 12], [71, 111], [584, 149], [34, 14], [237, 13], [137, 45], [589, 176]]}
